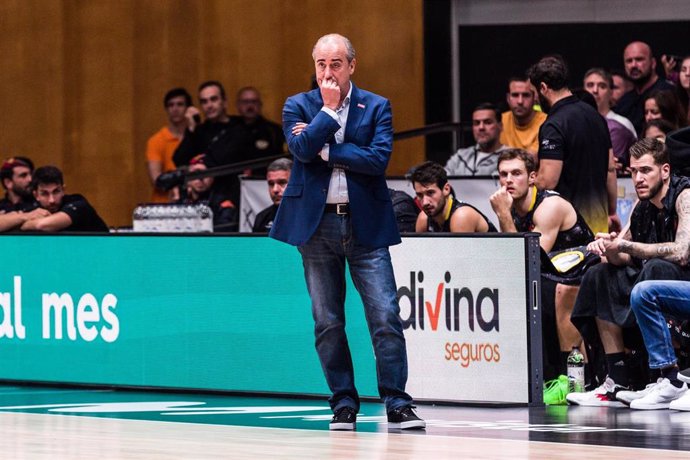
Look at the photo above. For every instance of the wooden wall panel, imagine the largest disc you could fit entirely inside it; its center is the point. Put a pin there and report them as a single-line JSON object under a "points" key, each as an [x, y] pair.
{"points": [[83, 80]]}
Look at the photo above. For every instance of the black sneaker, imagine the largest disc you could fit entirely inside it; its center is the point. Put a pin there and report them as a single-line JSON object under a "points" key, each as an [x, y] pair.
{"points": [[405, 419], [344, 419]]}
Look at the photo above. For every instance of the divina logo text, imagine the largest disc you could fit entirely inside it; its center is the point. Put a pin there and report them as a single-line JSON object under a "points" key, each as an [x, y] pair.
{"points": [[459, 306]]}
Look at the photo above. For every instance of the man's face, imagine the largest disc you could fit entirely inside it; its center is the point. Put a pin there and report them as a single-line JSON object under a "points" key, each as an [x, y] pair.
{"points": [[485, 128], [49, 196], [520, 99], [512, 174], [620, 87], [212, 104], [431, 198], [200, 186], [638, 61], [175, 108], [647, 176], [277, 181], [330, 62], [598, 87], [651, 110], [20, 184], [249, 104]]}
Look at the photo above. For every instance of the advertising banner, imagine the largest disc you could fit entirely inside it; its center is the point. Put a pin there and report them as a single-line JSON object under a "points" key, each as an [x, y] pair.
{"points": [[232, 313]]}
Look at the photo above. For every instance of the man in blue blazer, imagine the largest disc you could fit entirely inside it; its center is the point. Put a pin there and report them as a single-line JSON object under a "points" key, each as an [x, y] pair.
{"points": [[336, 207]]}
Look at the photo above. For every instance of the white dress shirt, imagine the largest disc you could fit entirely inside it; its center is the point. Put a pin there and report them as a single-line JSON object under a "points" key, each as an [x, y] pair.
{"points": [[337, 187]]}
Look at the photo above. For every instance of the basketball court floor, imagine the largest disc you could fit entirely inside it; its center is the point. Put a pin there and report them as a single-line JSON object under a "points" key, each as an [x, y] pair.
{"points": [[43, 422]]}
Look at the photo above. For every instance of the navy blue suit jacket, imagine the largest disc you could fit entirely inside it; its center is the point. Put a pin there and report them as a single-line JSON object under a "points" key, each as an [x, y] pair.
{"points": [[364, 155]]}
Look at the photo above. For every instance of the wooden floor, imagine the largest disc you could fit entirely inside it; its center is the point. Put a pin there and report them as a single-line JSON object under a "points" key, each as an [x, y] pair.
{"points": [[59, 423]]}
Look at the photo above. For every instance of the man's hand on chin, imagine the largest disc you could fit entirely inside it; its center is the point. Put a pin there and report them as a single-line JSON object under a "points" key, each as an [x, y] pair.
{"points": [[330, 93]]}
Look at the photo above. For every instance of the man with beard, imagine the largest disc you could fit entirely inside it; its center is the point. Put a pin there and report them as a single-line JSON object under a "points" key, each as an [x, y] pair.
{"points": [[480, 159], [15, 174], [640, 66], [70, 213], [575, 155], [656, 247], [520, 207], [441, 211], [521, 123]]}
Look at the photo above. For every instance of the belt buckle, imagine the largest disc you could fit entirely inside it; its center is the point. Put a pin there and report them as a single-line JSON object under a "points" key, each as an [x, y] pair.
{"points": [[338, 209]]}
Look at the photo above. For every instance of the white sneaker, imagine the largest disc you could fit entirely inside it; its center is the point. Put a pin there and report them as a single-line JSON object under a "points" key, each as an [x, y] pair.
{"points": [[604, 395], [626, 397], [682, 403], [661, 396], [684, 375]]}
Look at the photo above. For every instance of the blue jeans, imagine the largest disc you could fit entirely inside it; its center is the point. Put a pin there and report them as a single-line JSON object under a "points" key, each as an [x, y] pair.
{"points": [[651, 301], [324, 257]]}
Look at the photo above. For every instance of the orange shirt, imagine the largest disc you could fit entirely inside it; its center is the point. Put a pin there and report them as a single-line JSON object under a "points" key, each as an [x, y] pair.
{"points": [[160, 148], [522, 137]]}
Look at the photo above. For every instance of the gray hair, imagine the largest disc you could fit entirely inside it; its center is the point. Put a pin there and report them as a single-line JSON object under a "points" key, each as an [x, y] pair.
{"points": [[333, 38], [281, 164]]}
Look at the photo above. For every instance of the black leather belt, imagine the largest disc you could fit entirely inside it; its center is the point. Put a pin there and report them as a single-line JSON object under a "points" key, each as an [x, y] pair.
{"points": [[341, 209]]}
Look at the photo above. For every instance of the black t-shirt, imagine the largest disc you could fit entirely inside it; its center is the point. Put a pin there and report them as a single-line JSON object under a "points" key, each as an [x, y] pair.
{"points": [[576, 134], [194, 143], [631, 104], [25, 205], [264, 220], [84, 216]]}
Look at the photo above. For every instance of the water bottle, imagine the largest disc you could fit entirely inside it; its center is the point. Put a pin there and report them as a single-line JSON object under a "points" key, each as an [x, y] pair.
{"points": [[576, 371]]}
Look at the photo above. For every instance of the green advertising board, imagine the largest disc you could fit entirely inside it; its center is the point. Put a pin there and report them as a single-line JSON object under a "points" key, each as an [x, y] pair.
{"points": [[196, 312]]}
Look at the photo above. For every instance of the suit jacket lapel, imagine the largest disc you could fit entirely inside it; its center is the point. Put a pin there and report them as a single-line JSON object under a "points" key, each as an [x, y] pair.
{"points": [[355, 114]]}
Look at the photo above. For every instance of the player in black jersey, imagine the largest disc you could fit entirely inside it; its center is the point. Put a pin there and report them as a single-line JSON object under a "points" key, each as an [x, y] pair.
{"points": [[441, 211], [520, 207]]}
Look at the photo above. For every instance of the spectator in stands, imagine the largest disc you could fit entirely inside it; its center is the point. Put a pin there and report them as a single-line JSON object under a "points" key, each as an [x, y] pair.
{"points": [[70, 213], [652, 302], [480, 159], [575, 155], [277, 176], [678, 72], [520, 207], [658, 129], [15, 175], [664, 105], [198, 137], [640, 66], [161, 146], [683, 88], [441, 211], [200, 190], [655, 247], [621, 85], [261, 138], [521, 123], [598, 83]]}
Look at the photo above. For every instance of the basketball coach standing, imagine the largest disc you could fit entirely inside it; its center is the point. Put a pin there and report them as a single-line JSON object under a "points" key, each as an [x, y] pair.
{"points": [[336, 207]]}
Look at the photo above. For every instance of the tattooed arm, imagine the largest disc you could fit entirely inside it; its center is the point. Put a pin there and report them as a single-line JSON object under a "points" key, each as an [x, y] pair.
{"points": [[677, 251]]}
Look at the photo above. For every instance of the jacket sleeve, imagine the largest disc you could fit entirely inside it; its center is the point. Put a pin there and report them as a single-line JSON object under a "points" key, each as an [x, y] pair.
{"points": [[370, 158], [307, 145]]}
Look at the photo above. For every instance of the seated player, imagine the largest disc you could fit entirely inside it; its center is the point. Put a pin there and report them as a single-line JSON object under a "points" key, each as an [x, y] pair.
{"points": [[520, 207], [441, 211]]}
